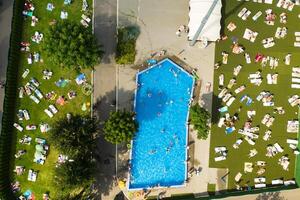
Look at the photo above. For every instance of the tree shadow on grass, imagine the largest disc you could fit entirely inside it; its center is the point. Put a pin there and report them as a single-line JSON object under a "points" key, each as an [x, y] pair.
{"points": [[216, 104], [227, 14]]}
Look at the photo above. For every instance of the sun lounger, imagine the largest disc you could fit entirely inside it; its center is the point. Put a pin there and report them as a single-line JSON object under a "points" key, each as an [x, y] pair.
{"points": [[220, 149], [250, 141], [295, 86], [53, 109], [38, 93], [36, 100], [222, 93], [230, 101], [280, 3], [30, 127], [296, 75], [238, 177], [221, 122], [84, 23], [289, 182], [261, 163], [293, 98], [221, 80], [260, 180], [248, 59], [226, 97], [297, 39], [32, 175], [268, 103], [296, 44], [242, 12], [26, 115], [295, 103], [224, 58], [278, 147], [246, 15], [254, 76], [18, 127], [48, 113], [237, 144], [220, 158], [296, 80], [261, 185], [268, 1], [277, 182], [296, 69], [257, 15], [86, 18], [292, 141], [240, 89]]}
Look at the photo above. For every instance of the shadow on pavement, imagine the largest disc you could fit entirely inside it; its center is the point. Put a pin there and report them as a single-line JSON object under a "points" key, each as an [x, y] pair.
{"points": [[106, 152]]}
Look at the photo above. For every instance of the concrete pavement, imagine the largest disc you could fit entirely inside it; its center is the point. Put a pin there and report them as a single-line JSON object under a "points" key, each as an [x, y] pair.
{"points": [[6, 7]]}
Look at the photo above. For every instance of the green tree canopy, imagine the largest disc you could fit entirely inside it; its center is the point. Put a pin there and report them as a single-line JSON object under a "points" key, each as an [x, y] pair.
{"points": [[74, 136], [199, 118], [71, 45], [120, 127], [78, 172]]}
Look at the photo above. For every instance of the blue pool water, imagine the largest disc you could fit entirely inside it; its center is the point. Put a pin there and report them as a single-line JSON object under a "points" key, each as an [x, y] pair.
{"points": [[159, 147]]}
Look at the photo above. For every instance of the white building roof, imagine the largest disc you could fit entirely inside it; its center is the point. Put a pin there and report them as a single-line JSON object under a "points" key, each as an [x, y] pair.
{"points": [[198, 10]]}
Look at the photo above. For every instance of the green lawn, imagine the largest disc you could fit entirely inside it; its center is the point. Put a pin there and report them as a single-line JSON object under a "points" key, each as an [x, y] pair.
{"points": [[45, 176], [237, 157]]}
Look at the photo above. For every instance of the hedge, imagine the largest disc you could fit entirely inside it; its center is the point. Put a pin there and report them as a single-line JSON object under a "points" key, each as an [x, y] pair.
{"points": [[8, 133]]}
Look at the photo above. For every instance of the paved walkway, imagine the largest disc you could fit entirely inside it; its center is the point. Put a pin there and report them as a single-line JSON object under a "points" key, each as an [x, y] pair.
{"points": [[5, 24], [105, 93]]}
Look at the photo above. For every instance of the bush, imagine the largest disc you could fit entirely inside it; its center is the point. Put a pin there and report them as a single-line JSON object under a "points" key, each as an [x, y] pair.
{"points": [[71, 45], [199, 118], [120, 127], [8, 133], [126, 45]]}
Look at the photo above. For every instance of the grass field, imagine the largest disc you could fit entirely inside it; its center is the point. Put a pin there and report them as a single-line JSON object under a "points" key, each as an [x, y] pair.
{"points": [[236, 157], [45, 172]]}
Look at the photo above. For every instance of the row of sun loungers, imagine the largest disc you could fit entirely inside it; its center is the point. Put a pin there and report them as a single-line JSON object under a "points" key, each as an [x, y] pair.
{"points": [[244, 14], [294, 100], [286, 4], [51, 111], [222, 151]]}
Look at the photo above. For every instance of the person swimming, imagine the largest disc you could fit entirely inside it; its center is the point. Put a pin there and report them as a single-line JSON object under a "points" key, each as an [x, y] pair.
{"points": [[153, 151]]}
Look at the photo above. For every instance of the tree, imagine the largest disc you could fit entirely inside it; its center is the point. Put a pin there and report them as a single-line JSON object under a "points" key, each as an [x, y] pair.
{"points": [[76, 173], [199, 118], [71, 45], [127, 37], [120, 127], [74, 136]]}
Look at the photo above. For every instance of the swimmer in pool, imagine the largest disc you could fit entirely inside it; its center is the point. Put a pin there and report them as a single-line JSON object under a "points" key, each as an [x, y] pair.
{"points": [[153, 151]]}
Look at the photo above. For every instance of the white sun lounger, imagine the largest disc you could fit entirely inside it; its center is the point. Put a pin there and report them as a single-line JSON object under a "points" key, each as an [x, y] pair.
{"points": [[221, 122], [220, 149], [260, 180], [278, 147], [242, 12], [296, 75], [277, 182], [296, 69], [38, 93], [256, 75], [226, 97], [53, 109], [238, 177], [296, 44], [289, 182], [230, 101], [296, 80], [246, 15], [222, 93], [36, 100], [291, 141], [48, 113], [257, 15], [295, 86], [26, 115], [18, 127], [220, 158], [261, 185]]}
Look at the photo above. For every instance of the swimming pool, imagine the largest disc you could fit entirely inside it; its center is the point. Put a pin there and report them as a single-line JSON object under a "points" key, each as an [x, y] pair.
{"points": [[159, 153]]}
